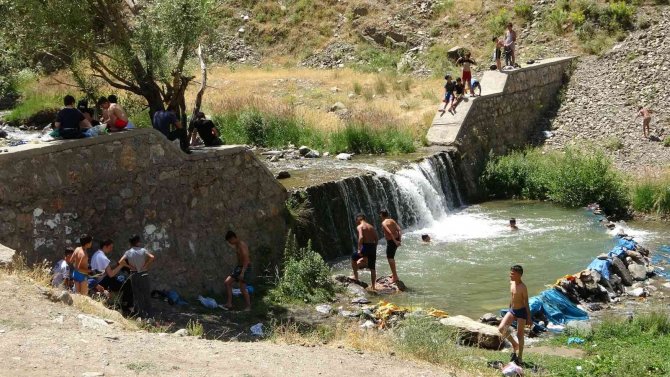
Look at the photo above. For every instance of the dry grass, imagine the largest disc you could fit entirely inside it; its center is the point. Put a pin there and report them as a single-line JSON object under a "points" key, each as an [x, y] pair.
{"points": [[90, 306], [309, 93]]}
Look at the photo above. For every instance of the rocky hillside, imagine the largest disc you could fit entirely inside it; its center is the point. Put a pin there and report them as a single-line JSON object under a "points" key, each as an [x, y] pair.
{"points": [[412, 35], [601, 101]]}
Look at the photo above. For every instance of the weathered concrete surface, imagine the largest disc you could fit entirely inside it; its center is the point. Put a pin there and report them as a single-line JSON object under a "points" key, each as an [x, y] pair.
{"points": [[113, 186], [502, 119], [476, 333]]}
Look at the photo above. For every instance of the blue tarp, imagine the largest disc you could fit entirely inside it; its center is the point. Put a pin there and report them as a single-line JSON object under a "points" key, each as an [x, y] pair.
{"points": [[617, 251], [602, 266], [628, 244], [556, 307]]}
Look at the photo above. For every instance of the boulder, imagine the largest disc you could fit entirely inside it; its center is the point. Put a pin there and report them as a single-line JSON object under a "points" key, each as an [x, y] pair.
{"points": [[304, 150], [283, 175], [471, 332], [455, 52], [638, 271], [338, 106], [313, 154], [181, 332], [344, 156], [619, 268]]}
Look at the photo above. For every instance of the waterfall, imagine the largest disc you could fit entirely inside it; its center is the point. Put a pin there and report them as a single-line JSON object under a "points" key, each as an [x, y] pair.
{"points": [[416, 196]]}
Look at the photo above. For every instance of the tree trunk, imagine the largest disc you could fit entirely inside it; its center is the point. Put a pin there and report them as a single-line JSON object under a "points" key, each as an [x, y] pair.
{"points": [[203, 85]]}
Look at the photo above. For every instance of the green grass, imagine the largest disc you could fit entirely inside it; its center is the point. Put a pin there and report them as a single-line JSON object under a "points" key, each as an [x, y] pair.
{"points": [[652, 196], [523, 9], [619, 348], [268, 130], [195, 328], [574, 178], [32, 104], [497, 22], [613, 143]]}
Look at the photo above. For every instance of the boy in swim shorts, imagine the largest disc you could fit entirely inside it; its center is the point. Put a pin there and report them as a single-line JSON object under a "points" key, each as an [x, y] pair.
{"points": [[449, 87], [366, 254], [80, 269], [519, 310]]}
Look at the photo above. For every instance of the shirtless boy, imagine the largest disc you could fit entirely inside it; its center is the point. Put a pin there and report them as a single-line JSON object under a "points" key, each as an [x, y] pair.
{"points": [[497, 54], [392, 234], [80, 270], [113, 114], [519, 311], [242, 272], [646, 119], [466, 61], [366, 253]]}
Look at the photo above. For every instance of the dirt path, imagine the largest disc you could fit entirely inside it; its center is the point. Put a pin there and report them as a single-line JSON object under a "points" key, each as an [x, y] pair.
{"points": [[42, 338]]}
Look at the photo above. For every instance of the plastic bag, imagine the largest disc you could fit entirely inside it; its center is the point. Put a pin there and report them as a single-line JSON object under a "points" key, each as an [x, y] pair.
{"points": [[257, 329], [512, 369], [208, 302]]}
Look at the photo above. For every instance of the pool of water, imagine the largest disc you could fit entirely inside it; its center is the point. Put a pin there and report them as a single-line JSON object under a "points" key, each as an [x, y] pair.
{"points": [[465, 268]]}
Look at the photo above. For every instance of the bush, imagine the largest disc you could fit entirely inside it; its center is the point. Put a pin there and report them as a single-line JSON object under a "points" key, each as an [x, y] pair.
{"points": [[305, 277], [643, 197], [620, 15], [426, 339], [499, 21], [574, 178], [556, 20], [358, 88], [524, 10]]}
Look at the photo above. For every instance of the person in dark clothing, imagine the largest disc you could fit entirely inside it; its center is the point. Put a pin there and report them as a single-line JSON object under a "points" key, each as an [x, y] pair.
{"points": [[206, 130], [70, 122], [138, 259], [88, 114], [164, 120]]}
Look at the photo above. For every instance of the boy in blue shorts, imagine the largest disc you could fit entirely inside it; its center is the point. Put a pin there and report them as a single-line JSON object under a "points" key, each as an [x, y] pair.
{"points": [[476, 85], [449, 87], [80, 269]]}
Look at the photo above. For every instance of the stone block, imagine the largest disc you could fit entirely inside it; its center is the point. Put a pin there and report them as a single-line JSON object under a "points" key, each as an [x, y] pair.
{"points": [[471, 332]]}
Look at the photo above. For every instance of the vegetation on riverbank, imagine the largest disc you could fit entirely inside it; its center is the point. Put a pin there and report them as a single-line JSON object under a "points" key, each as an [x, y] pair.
{"points": [[652, 196], [574, 178]]}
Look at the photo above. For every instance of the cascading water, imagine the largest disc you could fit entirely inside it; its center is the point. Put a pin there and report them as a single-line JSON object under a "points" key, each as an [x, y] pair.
{"points": [[417, 196]]}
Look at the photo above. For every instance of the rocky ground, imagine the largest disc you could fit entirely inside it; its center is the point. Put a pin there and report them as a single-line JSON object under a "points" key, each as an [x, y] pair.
{"points": [[40, 337], [601, 100]]}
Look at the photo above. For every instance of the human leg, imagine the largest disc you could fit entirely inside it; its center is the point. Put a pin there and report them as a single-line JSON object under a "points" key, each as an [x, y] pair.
{"points": [[229, 291], [391, 249], [503, 329], [354, 264], [245, 294], [520, 326]]}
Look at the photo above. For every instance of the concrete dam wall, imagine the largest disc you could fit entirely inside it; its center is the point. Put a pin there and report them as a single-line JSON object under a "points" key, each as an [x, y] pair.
{"points": [[503, 118], [116, 185]]}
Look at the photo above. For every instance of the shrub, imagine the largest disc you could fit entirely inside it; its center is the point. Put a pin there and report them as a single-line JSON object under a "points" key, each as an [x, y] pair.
{"points": [[523, 9], [666, 142], [620, 15], [380, 85], [556, 20], [358, 88], [426, 339], [643, 197], [574, 178], [613, 143], [305, 276], [499, 21], [195, 328]]}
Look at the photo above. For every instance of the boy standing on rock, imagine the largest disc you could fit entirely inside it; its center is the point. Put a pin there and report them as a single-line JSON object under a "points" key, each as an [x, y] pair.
{"points": [[519, 310], [392, 234], [366, 253], [645, 113]]}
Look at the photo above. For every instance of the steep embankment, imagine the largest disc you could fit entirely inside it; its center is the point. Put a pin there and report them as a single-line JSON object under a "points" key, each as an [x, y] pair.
{"points": [[603, 95]]}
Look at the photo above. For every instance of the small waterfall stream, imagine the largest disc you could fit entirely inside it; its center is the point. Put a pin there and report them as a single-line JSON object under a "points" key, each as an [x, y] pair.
{"points": [[417, 196]]}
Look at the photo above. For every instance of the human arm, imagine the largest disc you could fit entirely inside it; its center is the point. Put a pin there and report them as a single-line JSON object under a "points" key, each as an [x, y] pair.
{"points": [[84, 123], [148, 261], [360, 239], [111, 272], [398, 239]]}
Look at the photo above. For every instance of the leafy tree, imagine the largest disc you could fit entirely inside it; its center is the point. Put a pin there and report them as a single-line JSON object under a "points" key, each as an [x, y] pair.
{"points": [[141, 46]]}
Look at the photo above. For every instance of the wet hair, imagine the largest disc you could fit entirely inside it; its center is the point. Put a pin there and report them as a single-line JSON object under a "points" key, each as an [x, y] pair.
{"points": [[512, 220], [102, 101], [517, 268], [384, 213], [458, 79], [112, 99], [425, 237], [85, 239], [447, 77], [134, 240], [68, 100], [68, 251], [509, 24], [360, 216], [230, 235], [106, 243], [200, 115]]}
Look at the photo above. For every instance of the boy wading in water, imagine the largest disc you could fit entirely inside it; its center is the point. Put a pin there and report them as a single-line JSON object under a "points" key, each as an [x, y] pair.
{"points": [[242, 272], [519, 311], [366, 254], [392, 234]]}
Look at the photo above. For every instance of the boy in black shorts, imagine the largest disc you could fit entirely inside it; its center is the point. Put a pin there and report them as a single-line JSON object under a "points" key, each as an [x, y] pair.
{"points": [[392, 234]]}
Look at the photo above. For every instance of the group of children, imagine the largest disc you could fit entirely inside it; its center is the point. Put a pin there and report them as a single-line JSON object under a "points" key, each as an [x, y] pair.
{"points": [[80, 273], [454, 90]]}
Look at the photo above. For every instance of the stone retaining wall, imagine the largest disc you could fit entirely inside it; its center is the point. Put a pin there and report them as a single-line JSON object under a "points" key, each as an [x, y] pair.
{"points": [[113, 186], [504, 118]]}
